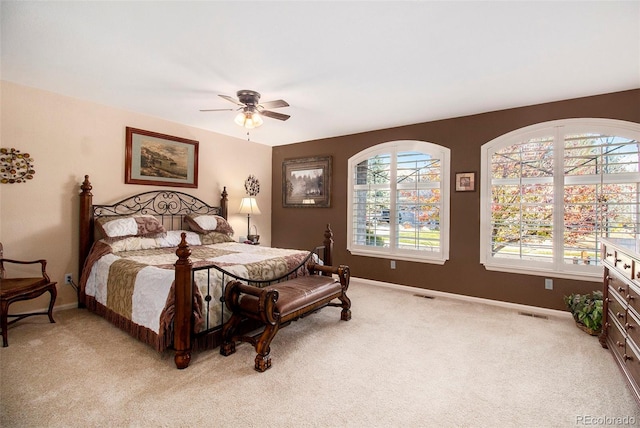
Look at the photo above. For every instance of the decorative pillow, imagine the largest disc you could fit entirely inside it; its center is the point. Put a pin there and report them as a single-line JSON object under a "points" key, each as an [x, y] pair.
{"points": [[215, 238], [202, 223], [125, 226]]}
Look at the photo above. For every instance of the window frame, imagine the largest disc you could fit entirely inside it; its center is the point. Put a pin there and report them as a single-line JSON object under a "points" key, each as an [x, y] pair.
{"points": [[558, 129], [393, 147]]}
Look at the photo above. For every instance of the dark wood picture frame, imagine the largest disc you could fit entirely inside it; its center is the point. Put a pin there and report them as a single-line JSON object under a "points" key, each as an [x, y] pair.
{"points": [[306, 182], [157, 159], [465, 182]]}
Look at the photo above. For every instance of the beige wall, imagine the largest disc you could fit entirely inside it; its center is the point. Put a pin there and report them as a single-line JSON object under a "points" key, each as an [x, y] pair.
{"points": [[69, 138]]}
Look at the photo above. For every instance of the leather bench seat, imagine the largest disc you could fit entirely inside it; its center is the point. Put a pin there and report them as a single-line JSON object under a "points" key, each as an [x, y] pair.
{"points": [[295, 294]]}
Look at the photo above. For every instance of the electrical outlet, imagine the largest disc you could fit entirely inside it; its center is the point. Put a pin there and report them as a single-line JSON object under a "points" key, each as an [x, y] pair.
{"points": [[548, 284], [68, 278], [393, 264]]}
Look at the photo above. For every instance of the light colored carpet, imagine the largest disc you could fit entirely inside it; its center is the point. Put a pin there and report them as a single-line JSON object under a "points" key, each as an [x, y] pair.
{"points": [[401, 361]]}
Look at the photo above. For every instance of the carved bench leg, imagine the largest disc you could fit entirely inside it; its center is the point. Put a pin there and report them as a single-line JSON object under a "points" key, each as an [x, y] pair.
{"points": [[263, 360], [227, 348], [228, 345]]}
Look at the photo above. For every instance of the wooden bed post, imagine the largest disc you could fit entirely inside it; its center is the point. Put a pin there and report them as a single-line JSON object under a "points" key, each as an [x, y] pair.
{"points": [[183, 300], [328, 248], [86, 232], [224, 203]]}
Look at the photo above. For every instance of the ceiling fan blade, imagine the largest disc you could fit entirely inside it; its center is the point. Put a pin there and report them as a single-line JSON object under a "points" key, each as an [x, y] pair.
{"points": [[218, 109], [274, 115], [275, 104], [233, 100]]}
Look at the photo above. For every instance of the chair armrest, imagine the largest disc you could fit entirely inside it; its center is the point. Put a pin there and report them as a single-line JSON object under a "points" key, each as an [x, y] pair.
{"points": [[256, 301], [42, 262], [343, 272]]}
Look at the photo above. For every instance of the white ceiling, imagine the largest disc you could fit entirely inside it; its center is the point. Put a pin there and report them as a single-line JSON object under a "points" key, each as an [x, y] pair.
{"points": [[344, 67]]}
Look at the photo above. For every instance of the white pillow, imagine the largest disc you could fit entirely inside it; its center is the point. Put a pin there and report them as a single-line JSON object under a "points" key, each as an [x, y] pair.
{"points": [[206, 222], [120, 227]]}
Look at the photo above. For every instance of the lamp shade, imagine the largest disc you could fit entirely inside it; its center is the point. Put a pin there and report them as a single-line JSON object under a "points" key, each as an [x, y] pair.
{"points": [[249, 206]]}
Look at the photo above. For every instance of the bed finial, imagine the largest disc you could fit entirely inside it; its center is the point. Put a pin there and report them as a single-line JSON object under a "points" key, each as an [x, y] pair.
{"points": [[86, 185], [328, 246], [224, 203], [183, 252]]}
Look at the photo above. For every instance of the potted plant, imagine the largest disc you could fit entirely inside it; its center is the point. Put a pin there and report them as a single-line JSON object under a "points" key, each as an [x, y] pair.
{"points": [[586, 310]]}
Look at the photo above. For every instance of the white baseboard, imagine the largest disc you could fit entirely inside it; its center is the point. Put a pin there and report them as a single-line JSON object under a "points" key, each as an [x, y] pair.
{"points": [[56, 308], [65, 307], [425, 292], [433, 293]]}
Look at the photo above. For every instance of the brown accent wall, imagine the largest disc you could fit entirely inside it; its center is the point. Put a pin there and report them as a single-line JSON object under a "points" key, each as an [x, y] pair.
{"points": [[462, 273]]}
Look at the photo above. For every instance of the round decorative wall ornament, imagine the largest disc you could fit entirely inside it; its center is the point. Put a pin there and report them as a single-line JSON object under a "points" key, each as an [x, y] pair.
{"points": [[15, 167], [252, 186]]}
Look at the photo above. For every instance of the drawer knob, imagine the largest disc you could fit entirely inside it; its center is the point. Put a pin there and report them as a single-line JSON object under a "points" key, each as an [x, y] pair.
{"points": [[619, 344], [628, 326], [609, 254], [630, 297], [620, 289], [626, 266], [619, 315], [627, 358], [618, 260]]}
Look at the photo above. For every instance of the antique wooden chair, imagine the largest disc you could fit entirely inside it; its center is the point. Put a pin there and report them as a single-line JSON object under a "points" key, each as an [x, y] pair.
{"points": [[15, 289]]}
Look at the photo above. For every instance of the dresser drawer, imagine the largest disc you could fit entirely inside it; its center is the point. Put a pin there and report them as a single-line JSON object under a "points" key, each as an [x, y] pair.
{"points": [[608, 254], [633, 299], [617, 308], [618, 286], [631, 360], [632, 327], [615, 338], [624, 264]]}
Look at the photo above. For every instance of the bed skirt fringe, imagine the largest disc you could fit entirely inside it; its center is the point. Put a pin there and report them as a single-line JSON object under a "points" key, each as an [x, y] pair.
{"points": [[160, 342]]}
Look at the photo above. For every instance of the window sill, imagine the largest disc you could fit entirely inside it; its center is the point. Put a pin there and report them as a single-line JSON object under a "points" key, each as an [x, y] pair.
{"points": [[580, 276], [396, 256]]}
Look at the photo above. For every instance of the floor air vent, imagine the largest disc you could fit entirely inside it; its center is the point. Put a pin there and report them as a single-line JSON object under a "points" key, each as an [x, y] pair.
{"points": [[529, 314], [423, 296]]}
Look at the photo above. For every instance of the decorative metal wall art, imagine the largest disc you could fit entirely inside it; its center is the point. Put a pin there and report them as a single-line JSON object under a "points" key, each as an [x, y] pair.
{"points": [[252, 186], [15, 167]]}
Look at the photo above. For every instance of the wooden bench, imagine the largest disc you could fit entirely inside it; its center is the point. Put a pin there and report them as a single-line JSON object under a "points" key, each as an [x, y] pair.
{"points": [[277, 305]]}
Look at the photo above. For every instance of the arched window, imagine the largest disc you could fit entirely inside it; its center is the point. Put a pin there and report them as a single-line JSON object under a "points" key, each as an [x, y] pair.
{"points": [[550, 192], [399, 202]]}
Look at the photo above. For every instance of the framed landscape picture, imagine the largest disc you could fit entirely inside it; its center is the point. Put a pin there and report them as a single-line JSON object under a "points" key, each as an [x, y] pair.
{"points": [[306, 182], [160, 160]]}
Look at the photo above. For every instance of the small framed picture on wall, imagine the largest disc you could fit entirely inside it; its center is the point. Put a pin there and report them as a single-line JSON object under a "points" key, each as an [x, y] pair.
{"points": [[465, 182]]}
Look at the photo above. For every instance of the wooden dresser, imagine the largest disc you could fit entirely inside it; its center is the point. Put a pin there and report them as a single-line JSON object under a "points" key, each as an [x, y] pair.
{"points": [[621, 317]]}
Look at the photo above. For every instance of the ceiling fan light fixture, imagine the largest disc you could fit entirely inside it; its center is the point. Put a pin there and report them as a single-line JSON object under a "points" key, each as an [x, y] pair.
{"points": [[249, 119]]}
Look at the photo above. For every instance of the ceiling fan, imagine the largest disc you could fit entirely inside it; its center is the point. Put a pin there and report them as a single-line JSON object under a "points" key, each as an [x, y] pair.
{"points": [[251, 110]]}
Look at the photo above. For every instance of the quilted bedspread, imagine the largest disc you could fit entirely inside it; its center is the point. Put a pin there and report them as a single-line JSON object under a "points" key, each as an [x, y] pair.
{"points": [[133, 277]]}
